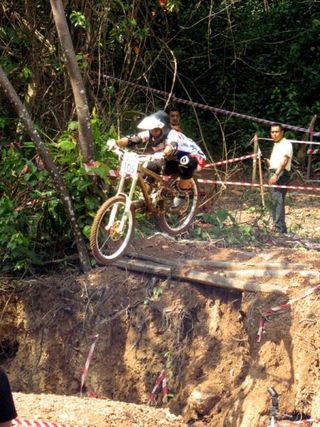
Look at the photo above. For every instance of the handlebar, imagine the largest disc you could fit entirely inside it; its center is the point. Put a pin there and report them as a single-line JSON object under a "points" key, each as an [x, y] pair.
{"points": [[112, 146]]}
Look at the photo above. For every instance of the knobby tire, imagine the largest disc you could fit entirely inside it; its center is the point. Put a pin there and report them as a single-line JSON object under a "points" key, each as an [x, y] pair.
{"points": [[104, 248], [176, 223]]}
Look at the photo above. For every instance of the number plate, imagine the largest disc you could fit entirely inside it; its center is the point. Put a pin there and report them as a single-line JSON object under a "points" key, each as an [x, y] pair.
{"points": [[129, 165]]}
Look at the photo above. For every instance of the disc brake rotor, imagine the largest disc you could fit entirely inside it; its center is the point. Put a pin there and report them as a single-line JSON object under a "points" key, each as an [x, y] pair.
{"points": [[114, 231]]}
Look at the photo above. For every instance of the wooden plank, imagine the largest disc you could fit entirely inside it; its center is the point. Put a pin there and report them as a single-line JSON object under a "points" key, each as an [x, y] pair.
{"points": [[225, 265], [197, 276]]}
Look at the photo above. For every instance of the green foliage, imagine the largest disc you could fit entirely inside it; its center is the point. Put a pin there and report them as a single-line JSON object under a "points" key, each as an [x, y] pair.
{"points": [[254, 57], [173, 5], [260, 59], [78, 19], [26, 73], [156, 293], [19, 219], [222, 225], [33, 226]]}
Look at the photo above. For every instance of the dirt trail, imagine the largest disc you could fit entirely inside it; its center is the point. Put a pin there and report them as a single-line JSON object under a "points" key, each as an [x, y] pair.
{"points": [[91, 412]]}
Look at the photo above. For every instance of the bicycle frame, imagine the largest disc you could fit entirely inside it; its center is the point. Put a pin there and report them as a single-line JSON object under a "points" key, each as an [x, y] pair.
{"points": [[142, 173], [136, 178], [274, 406]]}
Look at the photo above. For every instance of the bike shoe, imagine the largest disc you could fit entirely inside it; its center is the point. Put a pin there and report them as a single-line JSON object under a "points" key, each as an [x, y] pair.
{"points": [[139, 204], [178, 201]]}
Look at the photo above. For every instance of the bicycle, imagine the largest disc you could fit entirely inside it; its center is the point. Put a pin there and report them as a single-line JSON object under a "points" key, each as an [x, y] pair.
{"points": [[114, 222], [284, 420]]}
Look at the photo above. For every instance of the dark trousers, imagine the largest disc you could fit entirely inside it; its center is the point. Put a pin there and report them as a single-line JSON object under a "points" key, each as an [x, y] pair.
{"points": [[173, 167], [7, 409], [277, 197]]}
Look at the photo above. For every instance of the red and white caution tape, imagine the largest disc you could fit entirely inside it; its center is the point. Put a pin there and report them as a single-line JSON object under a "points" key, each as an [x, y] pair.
{"points": [[297, 423], [160, 380], [164, 390], [296, 141], [250, 184], [114, 173], [281, 307], [236, 159], [88, 167], [38, 423], [310, 151], [87, 364], [208, 108]]}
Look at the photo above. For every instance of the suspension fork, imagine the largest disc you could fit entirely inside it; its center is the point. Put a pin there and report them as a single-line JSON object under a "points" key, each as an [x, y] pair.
{"points": [[128, 203]]}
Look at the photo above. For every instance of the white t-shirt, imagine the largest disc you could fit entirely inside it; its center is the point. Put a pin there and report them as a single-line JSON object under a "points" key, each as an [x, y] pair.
{"points": [[281, 149]]}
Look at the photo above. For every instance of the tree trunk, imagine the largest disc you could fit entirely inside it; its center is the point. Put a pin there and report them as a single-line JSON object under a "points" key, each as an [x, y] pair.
{"points": [[85, 135], [50, 166]]}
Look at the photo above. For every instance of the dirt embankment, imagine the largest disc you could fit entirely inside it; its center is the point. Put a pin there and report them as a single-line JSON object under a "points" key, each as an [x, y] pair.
{"points": [[204, 338]]}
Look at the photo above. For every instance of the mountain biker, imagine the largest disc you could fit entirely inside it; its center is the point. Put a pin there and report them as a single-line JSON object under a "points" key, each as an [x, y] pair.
{"points": [[181, 154]]}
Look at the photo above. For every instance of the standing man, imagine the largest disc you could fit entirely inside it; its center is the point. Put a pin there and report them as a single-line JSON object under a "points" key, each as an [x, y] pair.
{"points": [[7, 408], [279, 167], [174, 117]]}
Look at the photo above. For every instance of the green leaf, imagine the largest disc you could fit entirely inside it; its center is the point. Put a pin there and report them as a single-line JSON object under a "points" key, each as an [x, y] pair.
{"points": [[86, 231], [78, 19], [74, 125], [66, 144]]}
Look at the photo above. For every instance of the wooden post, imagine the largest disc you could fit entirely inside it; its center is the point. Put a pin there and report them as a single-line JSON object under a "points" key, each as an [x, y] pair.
{"points": [[310, 155], [260, 172], [254, 162], [309, 136]]}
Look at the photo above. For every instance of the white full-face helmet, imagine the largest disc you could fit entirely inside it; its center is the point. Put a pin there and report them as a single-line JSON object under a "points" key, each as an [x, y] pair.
{"points": [[158, 120]]}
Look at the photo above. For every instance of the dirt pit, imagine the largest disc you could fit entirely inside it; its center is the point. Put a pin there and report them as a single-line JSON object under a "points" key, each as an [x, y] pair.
{"points": [[202, 338]]}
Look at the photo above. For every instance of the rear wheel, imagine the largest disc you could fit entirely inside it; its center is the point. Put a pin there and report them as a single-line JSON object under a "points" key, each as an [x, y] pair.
{"points": [[176, 221], [108, 240]]}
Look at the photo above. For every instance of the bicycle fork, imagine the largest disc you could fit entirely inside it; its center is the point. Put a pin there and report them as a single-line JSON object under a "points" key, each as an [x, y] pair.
{"points": [[128, 200]]}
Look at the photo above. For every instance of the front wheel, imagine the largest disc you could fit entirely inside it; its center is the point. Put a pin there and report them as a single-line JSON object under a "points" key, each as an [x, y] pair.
{"points": [[176, 221], [111, 230]]}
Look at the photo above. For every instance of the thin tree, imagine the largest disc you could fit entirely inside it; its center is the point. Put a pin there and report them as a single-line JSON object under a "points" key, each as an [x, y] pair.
{"points": [[50, 166], [85, 135]]}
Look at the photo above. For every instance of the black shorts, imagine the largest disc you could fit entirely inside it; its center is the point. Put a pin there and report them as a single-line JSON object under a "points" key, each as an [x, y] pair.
{"points": [[173, 167], [7, 408]]}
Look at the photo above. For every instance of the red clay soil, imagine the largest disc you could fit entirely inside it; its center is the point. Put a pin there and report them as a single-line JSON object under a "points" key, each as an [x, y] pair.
{"points": [[203, 337]]}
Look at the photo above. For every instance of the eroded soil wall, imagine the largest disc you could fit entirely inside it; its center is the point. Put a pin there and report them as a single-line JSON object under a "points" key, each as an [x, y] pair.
{"points": [[203, 337]]}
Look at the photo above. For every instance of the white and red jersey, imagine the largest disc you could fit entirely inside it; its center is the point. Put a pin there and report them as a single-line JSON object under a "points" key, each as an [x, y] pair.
{"points": [[178, 141]]}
